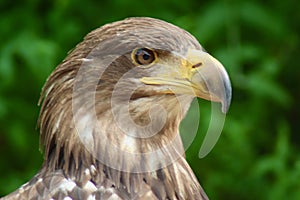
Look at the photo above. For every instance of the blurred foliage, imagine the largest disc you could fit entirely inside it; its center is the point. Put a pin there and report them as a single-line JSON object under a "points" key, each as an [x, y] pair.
{"points": [[257, 155]]}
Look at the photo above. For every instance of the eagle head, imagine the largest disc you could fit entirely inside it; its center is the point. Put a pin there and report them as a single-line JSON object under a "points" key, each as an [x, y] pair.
{"points": [[116, 102]]}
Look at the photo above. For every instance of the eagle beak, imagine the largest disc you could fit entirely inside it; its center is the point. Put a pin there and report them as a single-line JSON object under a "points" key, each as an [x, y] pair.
{"points": [[209, 78], [198, 74]]}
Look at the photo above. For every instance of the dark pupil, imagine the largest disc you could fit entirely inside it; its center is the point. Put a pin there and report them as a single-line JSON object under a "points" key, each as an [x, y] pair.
{"points": [[146, 55]]}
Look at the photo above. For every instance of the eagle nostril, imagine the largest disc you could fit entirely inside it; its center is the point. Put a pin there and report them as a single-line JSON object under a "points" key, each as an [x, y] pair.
{"points": [[197, 65]]}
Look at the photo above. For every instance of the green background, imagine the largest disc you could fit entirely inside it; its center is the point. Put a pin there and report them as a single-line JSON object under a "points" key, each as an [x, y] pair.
{"points": [[257, 155]]}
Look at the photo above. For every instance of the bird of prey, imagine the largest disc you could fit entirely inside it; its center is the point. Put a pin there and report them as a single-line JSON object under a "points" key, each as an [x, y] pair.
{"points": [[110, 114]]}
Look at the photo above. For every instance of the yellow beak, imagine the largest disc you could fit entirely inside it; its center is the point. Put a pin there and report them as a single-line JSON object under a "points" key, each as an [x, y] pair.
{"points": [[198, 74]]}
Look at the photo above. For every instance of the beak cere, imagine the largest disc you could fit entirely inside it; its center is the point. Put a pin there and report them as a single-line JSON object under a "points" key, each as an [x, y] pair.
{"points": [[198, 74]]}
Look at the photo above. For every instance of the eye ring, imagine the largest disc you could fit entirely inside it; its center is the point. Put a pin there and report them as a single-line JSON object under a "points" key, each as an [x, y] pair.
{"points": [[144, 56]]}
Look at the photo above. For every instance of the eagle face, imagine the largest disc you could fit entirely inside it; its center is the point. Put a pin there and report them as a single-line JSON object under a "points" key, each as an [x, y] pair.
{"points": [[111, 111], [135, 85], [158, 58]]}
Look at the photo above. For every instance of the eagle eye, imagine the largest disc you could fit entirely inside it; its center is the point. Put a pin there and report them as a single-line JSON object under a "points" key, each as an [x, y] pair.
{"points": [[144, 56]]}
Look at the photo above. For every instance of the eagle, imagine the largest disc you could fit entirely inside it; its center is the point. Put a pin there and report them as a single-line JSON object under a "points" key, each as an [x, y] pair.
{"points": [[111, 110]]}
